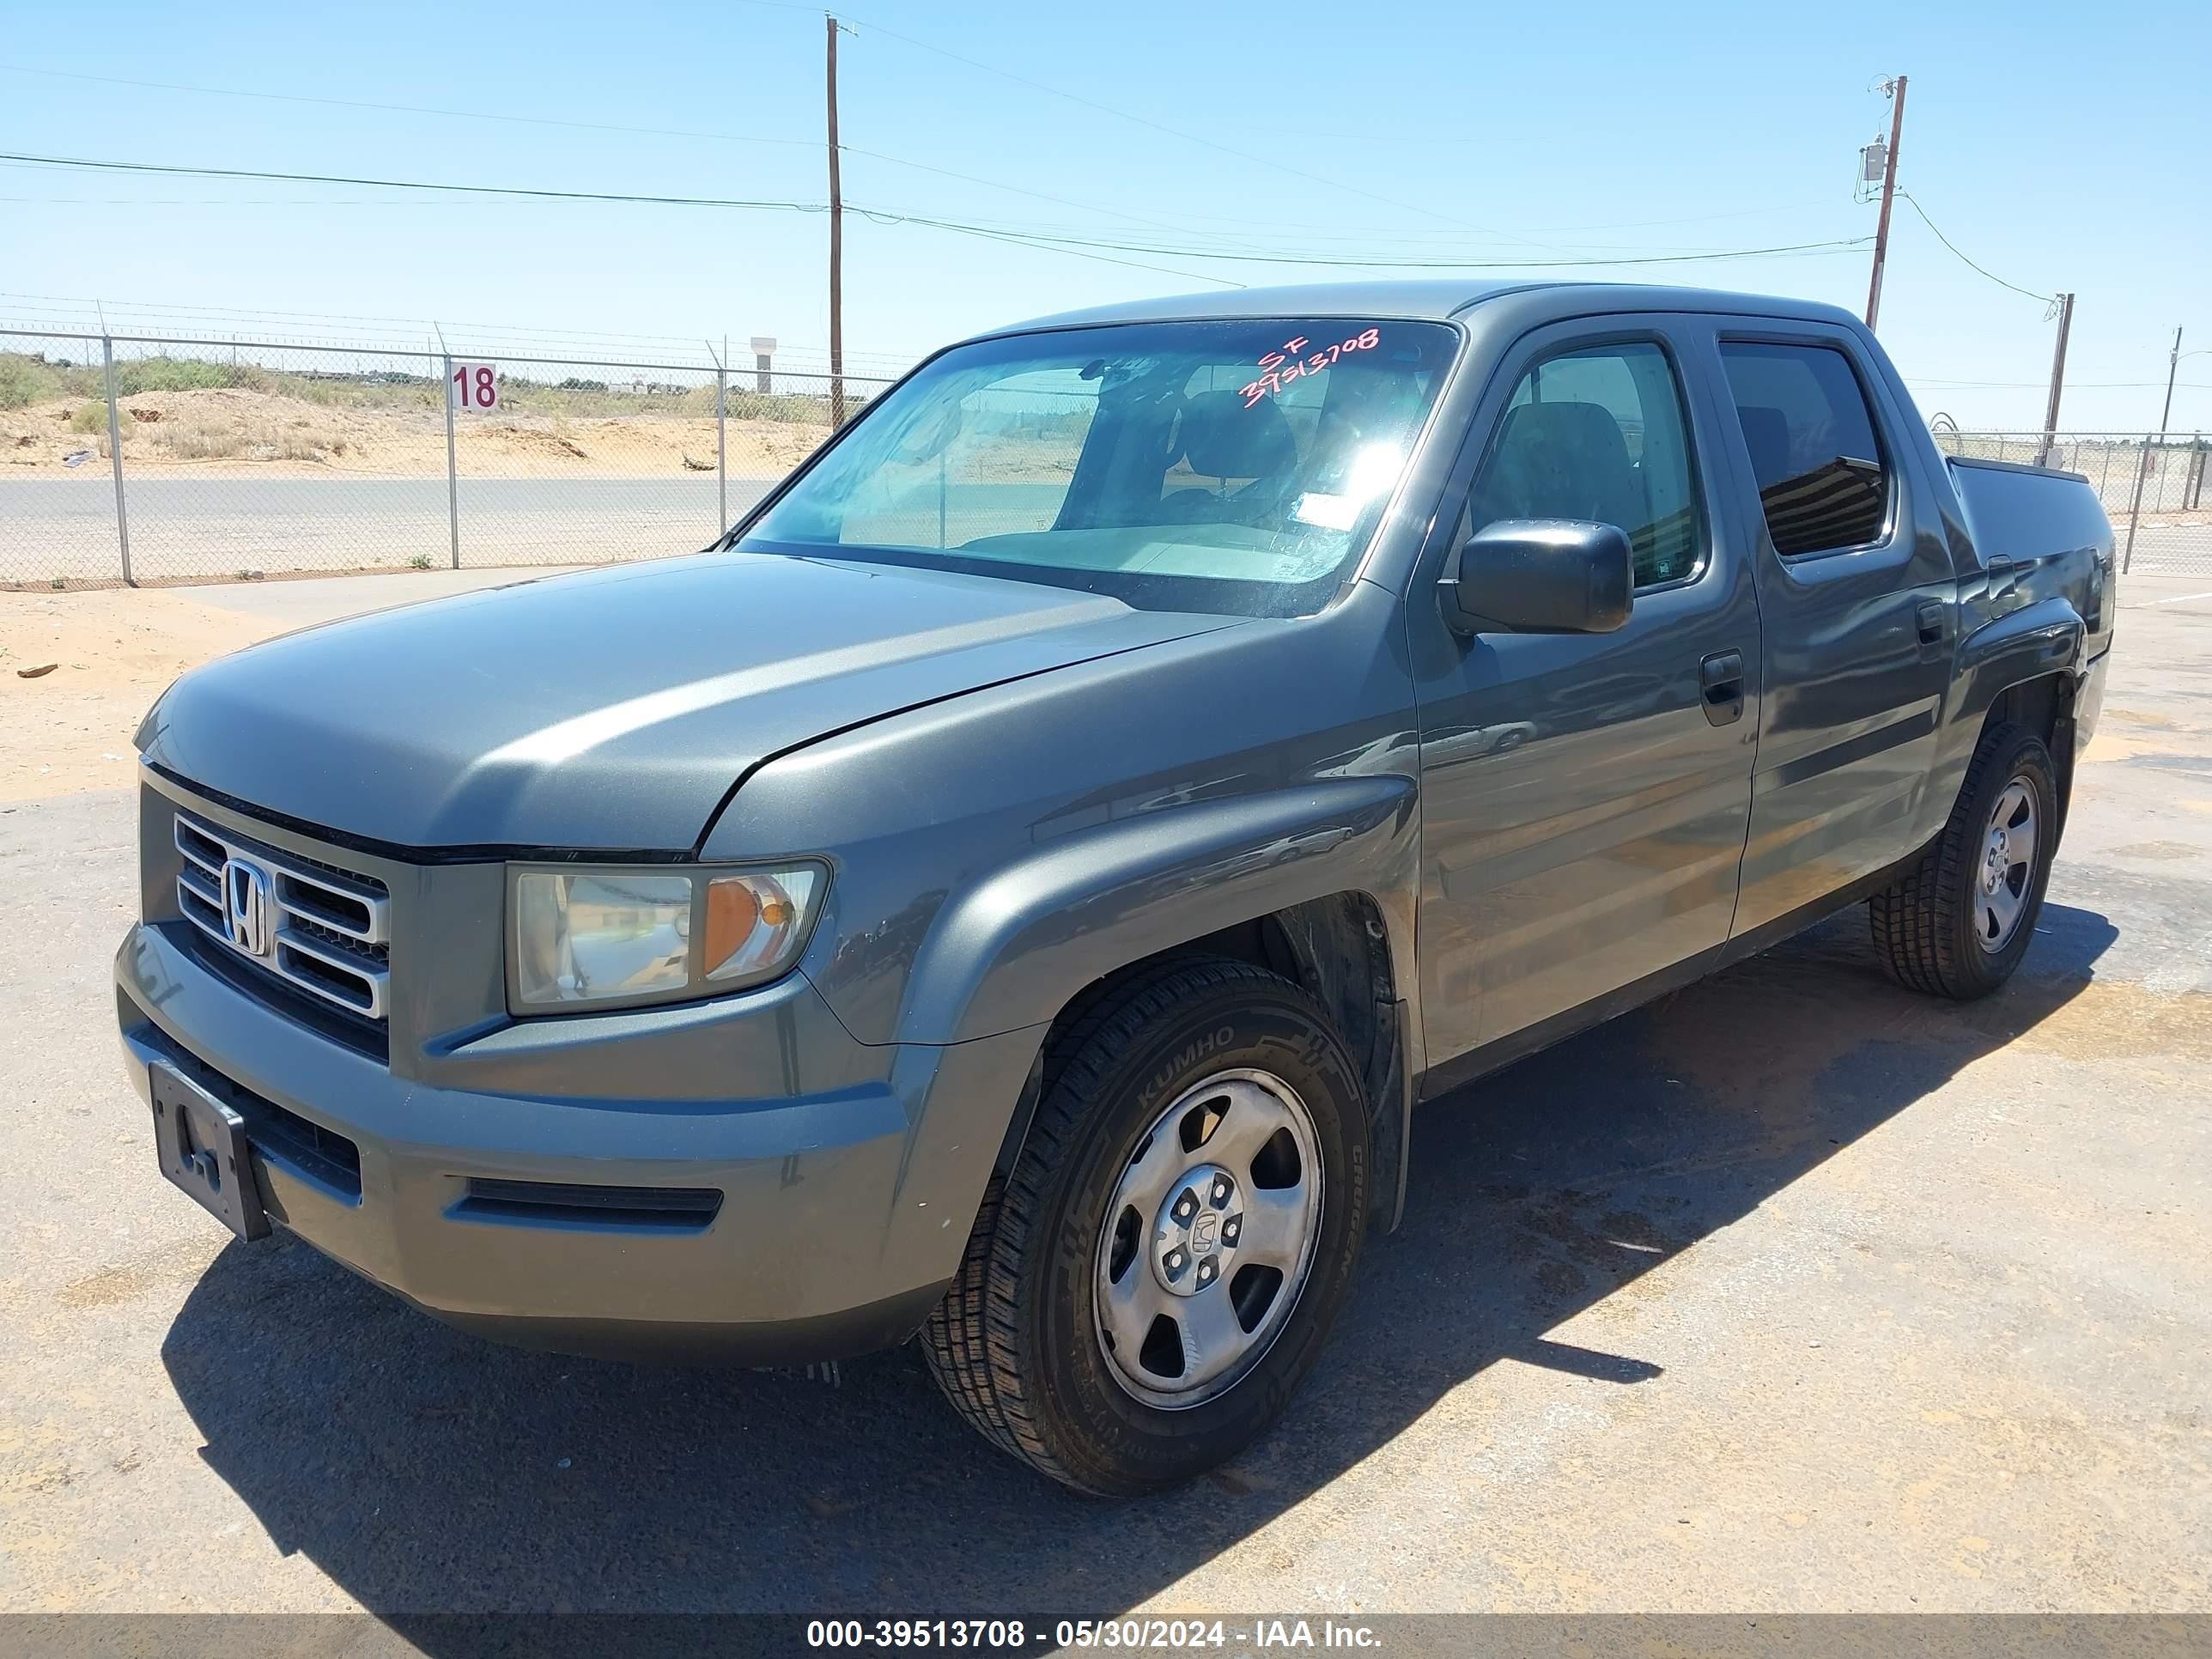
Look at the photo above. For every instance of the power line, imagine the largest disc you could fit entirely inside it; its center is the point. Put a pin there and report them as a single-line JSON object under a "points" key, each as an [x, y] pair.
{"points": [[534, 193], [1331, 233], [572, 126], [1949, 243], [1043, 238], [78, 162], [1080, 246], [1460, 257]]}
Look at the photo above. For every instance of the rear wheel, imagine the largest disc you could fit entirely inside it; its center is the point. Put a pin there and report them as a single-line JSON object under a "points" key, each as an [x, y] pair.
{"points": [[1959, 923], [1146, 1286]]}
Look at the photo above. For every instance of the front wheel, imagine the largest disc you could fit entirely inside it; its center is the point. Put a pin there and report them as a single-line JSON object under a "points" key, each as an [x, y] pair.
{"points": [[1147, 1285], [1958, 925]]}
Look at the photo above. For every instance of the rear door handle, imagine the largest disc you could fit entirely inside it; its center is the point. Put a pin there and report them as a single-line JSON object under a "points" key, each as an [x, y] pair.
{"points": [[1934, 614], [1720, 677]]}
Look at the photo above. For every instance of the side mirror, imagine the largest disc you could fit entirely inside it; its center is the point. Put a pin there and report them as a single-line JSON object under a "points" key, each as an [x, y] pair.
{"points": [[1539, 576]]}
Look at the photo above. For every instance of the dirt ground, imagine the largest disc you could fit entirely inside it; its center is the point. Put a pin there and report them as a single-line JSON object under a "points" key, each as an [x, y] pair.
{"points": [[112, 654], [229, 432], [1795, 1292]]}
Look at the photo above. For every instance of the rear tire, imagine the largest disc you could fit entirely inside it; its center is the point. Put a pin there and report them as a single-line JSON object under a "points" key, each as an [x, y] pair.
{"points": [[1199, 1128], [1958, 924]]}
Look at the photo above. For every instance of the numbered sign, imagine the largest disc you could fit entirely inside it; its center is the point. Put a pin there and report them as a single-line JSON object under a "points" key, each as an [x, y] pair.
{"points": [[474, 387]]}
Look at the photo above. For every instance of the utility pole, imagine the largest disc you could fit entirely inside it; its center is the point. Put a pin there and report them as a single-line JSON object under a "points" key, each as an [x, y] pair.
{"points": [[836, 248], [1888, 190], [2058, 378], [2142, 472], [2173, 363]]}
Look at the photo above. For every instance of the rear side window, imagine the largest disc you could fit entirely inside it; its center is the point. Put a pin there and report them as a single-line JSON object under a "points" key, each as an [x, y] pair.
{"points": [[1822, 480], [1599, 434]]}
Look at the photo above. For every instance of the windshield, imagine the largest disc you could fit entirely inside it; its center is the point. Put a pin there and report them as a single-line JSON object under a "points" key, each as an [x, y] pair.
{"points": [[1226, 466]]}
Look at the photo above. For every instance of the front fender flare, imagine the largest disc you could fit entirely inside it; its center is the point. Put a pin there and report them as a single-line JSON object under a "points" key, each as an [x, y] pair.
{"points": [[1012, 950]]}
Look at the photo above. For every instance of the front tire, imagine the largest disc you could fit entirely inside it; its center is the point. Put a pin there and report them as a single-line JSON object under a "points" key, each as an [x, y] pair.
{"points": [[1146, 1286], [1958, 924]]}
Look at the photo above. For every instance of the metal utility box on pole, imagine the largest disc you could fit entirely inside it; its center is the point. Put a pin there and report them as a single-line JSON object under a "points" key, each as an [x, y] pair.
{"points": [[836, 249], [763, 350], [1888, 193], [2058, 378]]}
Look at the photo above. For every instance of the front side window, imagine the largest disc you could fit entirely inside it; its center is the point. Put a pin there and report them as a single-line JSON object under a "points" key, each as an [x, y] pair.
{"points": [[1812, 446], [1234, 466], [1599, 435]]}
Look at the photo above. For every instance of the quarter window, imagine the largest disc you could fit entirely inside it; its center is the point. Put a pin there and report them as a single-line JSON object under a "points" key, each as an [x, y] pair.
{"points": [[1822, 481], [1599, 435]]}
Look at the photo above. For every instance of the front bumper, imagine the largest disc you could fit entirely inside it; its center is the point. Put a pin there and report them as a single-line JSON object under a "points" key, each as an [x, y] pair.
{"points": [[849, 1175]]}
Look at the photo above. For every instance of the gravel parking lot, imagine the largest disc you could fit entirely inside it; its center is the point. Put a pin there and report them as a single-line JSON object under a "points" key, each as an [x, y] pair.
{"points": [[1796, 1293]]}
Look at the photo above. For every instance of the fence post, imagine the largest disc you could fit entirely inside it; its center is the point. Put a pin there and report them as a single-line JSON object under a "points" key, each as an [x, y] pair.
{"points": [[2134, 507], [115, 454], [721, 449], [453, 476]]}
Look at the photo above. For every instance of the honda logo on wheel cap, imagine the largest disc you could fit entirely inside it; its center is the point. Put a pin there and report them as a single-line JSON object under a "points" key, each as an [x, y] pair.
{"points": [[246, 906]]}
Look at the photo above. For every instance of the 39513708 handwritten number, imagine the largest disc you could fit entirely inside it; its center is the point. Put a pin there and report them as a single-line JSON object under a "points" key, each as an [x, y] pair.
{"points": [[1278, 368]]}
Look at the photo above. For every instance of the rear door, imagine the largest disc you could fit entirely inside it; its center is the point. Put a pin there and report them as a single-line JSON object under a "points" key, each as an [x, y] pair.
{"points": [[1858, 597], [1584, 797]]}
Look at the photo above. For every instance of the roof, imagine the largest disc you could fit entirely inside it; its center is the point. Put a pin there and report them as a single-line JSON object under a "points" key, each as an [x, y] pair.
{"points": [[1434, 299]]}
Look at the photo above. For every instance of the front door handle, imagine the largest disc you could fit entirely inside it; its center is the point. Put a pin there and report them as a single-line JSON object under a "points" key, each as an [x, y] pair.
{"points": [[1720, 677]]}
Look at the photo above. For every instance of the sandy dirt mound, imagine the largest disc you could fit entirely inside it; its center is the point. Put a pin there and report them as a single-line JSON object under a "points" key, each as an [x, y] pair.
{"points": [[240, 433]]}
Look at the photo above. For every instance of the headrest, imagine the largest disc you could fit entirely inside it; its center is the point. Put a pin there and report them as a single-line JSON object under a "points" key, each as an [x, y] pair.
{"points": [[1224, 440], [1586, 431], [1564, 460]]}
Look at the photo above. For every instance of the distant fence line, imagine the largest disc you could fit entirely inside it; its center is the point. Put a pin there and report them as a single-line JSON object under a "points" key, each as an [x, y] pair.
{"points": [[2154, 485], [162, 457]]}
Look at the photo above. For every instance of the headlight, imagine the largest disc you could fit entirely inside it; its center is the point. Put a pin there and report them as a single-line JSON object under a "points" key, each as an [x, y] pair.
{"points": [[584, 936]]}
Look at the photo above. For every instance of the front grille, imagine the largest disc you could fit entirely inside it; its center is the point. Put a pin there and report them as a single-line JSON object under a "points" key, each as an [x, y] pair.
{"points": [[322, 930]]}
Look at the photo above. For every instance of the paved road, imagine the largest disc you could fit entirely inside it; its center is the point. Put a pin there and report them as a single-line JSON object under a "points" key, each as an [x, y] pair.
{"points": [[216, 526], [1797, 1293]]}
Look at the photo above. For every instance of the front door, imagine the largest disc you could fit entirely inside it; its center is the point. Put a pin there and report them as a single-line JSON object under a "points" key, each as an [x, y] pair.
{"points": [[1585, 796]]}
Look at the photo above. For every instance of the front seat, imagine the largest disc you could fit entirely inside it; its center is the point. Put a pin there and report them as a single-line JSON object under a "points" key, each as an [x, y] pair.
{"points": [[1222, 440]]}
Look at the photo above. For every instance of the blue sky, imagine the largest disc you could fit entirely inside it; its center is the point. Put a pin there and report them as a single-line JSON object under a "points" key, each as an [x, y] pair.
{"points": [[2061, 148]]}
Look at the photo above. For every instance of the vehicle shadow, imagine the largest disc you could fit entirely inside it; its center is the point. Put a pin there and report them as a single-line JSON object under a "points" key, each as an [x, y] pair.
{"points": [[427, 1472]]}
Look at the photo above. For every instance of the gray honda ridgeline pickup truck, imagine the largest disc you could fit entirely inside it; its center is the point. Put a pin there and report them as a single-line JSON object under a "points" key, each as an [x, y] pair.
{"points": [[1015, 887]]}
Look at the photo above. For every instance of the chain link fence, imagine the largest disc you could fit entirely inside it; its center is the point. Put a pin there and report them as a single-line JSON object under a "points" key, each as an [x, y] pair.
{"points": [[149, 459], [2154, 486]]}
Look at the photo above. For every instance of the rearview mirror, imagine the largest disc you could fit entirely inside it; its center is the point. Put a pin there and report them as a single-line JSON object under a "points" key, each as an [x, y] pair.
{"points": [[1539, 576]]}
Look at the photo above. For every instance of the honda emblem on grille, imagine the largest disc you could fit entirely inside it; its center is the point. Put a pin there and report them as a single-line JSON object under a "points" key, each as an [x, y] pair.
{"points": [[246, 906]]}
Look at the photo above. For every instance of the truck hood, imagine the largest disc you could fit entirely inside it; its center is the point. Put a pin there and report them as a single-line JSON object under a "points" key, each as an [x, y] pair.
{"points": [[611, 710]]}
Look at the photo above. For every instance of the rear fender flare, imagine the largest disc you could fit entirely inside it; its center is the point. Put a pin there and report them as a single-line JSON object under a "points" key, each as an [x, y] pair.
{"points": [[2033, 642]]}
